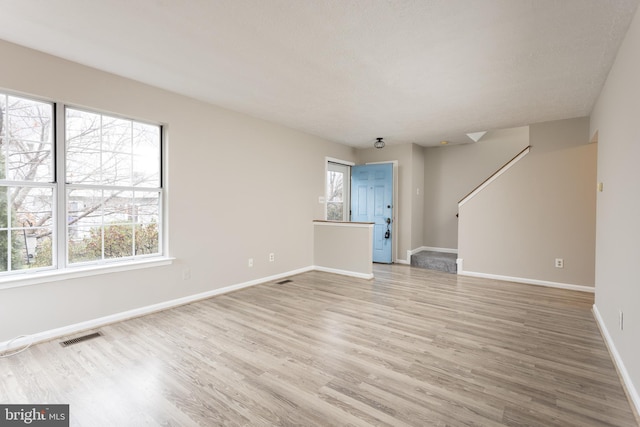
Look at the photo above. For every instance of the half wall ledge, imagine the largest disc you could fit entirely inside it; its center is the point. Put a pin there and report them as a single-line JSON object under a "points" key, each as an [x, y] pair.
{"points": [[343, 247]]}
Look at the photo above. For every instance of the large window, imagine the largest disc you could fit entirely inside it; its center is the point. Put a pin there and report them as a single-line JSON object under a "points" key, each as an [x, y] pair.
{"points": [[112, 186], [98, 200]]}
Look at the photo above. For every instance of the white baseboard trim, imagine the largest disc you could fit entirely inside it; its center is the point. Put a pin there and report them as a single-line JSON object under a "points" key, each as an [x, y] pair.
{"points": [[569, 286], [344, 272], [136, 312], [425, 248], [432, 249], [631, 390]]}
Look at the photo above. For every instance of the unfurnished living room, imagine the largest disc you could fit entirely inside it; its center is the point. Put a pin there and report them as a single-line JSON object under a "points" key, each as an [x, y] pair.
{"points": [[319, 212]]}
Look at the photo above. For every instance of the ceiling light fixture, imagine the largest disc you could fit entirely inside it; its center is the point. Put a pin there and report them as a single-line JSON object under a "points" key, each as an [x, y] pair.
{"points": [[379, 143], [444, 142]]}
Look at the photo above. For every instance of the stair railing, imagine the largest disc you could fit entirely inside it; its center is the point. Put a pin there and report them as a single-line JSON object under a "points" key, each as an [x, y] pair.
{"points": [[494, 176]]}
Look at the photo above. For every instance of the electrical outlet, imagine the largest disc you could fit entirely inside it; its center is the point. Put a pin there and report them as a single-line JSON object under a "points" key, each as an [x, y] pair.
{"points": [[250, 262], [186, 274], [621, 320], [559, 263], [272, 257]]}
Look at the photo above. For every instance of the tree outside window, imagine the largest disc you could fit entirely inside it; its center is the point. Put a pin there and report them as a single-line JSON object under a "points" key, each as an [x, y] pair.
{"points": [[112, 187]]}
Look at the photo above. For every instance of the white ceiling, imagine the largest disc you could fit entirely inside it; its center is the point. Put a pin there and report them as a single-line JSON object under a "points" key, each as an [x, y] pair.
{"points": [[348, 70]]}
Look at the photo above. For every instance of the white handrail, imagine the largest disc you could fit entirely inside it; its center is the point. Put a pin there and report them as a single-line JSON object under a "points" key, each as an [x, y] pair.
{"points": [[493, 177]]}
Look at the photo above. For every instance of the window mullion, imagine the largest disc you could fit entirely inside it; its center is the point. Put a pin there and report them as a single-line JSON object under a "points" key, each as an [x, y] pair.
{"points": [[60, 191]]}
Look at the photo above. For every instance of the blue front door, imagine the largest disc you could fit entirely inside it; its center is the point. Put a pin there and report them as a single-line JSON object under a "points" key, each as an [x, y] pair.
{"points": [[372, 201]]}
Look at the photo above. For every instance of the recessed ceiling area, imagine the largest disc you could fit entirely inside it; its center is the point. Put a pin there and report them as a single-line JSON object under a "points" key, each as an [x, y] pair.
{"points": [[417, 71]]}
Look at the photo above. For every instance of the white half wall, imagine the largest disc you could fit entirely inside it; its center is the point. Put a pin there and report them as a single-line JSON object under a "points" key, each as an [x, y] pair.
{"points": [[343, 248]]}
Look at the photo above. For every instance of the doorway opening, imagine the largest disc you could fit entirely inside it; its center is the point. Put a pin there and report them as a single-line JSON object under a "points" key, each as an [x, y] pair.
{"points": [[349, 198]]}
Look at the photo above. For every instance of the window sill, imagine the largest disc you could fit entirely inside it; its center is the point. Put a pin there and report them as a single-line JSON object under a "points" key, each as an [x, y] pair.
{"points": [[25, 279]]}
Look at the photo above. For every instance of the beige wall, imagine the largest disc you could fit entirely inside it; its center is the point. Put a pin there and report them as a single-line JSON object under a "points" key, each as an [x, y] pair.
{"points": [[409, 158], [617, 121], [451, 172], [417, 191], [541, 209], [345, 248], [237, 188]]}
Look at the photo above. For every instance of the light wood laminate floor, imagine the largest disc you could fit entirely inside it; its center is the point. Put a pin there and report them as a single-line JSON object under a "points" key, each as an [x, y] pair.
{"points": [[410, 348]]}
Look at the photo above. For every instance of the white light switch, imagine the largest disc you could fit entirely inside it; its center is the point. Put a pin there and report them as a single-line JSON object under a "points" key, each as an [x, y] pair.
{"points": [[321, 199]]}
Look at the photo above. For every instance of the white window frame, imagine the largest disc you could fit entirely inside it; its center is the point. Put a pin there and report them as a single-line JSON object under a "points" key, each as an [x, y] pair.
{"points": [[66, 187], [60, 268], [346, 196]]}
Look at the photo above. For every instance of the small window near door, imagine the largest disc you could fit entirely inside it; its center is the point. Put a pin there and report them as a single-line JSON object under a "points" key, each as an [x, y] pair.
{"points": [[338, 184]]}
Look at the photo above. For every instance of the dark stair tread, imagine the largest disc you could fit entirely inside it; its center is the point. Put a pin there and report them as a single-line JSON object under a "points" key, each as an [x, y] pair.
{"points": [[432, 260]]}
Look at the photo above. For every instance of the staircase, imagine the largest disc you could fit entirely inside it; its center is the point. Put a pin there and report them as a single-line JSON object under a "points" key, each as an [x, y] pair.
{"points": [[431, 260]]}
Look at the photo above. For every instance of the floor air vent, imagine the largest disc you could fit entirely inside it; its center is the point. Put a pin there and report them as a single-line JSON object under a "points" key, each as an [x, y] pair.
{"points": [[80, 339], [283, 282]]}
